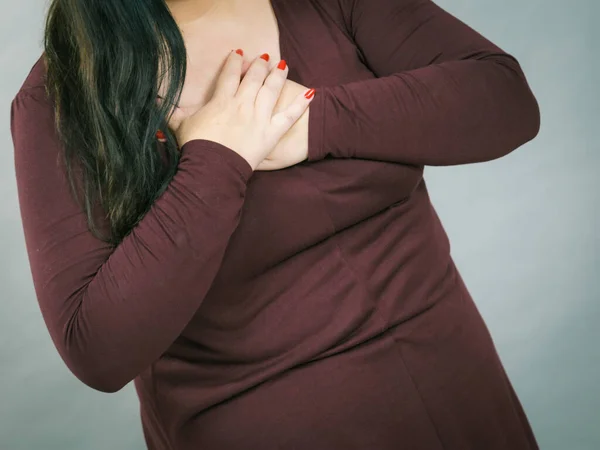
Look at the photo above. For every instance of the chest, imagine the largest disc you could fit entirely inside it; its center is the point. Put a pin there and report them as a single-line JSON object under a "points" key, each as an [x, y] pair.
{"points": [[288, 210], [252, 26]]}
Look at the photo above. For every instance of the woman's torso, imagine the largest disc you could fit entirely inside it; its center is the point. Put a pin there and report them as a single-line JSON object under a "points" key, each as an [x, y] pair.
{"points": [[293, 290]]}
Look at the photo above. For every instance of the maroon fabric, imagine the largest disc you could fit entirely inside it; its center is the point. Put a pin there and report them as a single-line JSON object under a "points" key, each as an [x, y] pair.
{"points": [[314, 307]]}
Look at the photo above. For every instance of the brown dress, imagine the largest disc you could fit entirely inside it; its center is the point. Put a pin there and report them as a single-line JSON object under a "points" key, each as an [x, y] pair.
{"points": [[315, 307]]}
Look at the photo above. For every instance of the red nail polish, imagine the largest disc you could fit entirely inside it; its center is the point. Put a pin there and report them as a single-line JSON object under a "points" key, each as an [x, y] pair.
{"points": [[309, 94], [265, 56], [160, 135], [282, 64], [240, 52]]}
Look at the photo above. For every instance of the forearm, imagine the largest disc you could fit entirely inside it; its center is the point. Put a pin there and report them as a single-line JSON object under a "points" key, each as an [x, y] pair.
{"points": [[442, 93], [112, 311], [456, 112], [145, 293]]}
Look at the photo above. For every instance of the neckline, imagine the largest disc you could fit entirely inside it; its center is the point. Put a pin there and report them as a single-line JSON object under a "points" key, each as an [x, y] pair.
{"points": [[281, 34]]}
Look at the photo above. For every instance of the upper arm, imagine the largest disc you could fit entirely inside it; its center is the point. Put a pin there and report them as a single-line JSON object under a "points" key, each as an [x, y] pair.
{"points": [[399, 35], [64, 256], [113, 311]]}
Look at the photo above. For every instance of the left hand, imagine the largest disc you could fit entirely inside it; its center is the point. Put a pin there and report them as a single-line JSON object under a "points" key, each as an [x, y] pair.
{"points": [[293, 146]]}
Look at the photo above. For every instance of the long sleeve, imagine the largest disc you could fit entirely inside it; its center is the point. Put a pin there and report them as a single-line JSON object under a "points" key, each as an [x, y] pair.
{"points": [[113, 310], [443, 94]]}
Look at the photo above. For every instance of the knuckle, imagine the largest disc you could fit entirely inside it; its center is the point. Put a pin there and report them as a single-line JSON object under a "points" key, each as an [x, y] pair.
{"points": [[273, 85], [273, 82], [283, 119], [269, 89], [218, 104], [244, 109], [289, 118]]}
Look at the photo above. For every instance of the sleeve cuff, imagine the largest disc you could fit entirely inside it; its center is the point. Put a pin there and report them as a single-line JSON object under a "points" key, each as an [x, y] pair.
{"points": [[316, 126], [227, 155]]}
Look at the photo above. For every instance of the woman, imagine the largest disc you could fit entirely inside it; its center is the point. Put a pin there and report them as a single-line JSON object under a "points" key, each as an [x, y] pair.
{"points": [[270, 273]]}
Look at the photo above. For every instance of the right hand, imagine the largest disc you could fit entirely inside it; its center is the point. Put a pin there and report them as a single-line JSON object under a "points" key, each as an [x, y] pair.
{"points": [[240, 114]]}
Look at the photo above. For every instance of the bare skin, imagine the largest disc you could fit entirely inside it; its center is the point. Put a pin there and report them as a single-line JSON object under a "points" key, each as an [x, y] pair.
{"points": [[211, 29]]}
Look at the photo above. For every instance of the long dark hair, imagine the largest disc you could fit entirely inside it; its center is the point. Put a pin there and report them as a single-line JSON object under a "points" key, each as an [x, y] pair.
{"points": [[105, 62]]}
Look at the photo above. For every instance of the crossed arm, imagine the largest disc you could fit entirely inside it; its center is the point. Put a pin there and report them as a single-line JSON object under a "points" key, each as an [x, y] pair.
{"points": [[444, 94]]}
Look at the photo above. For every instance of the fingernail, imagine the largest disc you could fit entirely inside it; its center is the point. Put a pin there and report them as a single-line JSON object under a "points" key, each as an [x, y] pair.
{"points": [[265, 56], [282, 64], [309, 94], [161, 136], [240, 52]]}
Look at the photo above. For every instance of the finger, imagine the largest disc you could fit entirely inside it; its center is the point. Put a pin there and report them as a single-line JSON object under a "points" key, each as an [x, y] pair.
{"points": [[284, 120], [160, 135], [269, 94], [254, 79], [228, 79]]}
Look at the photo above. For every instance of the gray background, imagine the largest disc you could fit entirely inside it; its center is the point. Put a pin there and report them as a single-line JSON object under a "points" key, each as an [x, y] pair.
{"points": [[524, 232]]}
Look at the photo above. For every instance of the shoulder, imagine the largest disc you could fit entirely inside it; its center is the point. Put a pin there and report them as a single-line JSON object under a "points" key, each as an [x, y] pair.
{"points": [[31, 108], [31, 99], [34, 84], [36, 78], [317, 13]]}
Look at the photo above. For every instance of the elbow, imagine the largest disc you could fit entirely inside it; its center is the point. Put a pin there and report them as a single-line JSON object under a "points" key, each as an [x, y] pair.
{"points": [[524, 119], [522, 108], [532, 117], [527, 110], [96, 377], [93, 367], [100, 382]]}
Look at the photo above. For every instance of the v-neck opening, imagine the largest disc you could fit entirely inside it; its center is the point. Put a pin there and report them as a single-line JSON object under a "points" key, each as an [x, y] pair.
{"points": [[281, 34]]}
